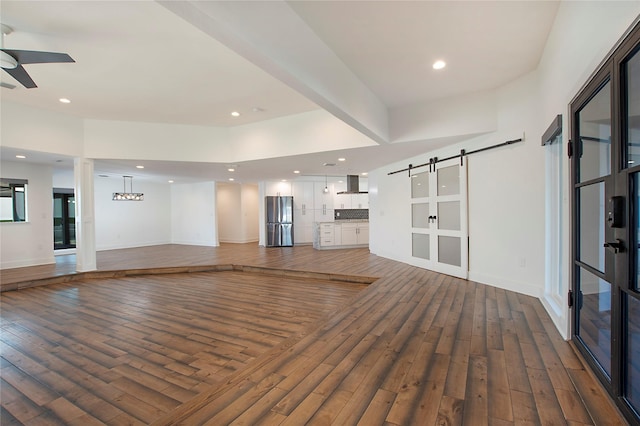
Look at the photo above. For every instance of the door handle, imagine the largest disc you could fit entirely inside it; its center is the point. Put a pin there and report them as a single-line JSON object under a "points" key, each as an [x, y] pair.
{"points": [[616, 246]]}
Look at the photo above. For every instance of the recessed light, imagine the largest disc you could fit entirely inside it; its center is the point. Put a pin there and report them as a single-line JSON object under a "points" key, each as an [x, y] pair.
{"points": [[258, 109], [342, 159], [235, 114], [170, 181], [231, 169], [364, 173], [231, 179], [20, 156], [64, 100], [296, 171], [139, 167], [284, 180], [438, 65]]}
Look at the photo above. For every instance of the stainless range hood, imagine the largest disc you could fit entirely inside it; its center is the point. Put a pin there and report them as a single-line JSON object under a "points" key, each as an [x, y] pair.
{"points": [[353, 186]]}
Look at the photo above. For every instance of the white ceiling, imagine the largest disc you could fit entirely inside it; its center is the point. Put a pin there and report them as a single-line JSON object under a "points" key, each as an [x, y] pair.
{"points": [[140, 61]]}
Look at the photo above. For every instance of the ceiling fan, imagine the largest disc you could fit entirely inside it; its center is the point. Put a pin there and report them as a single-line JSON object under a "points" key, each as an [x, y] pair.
{"points": [[12, 61]]}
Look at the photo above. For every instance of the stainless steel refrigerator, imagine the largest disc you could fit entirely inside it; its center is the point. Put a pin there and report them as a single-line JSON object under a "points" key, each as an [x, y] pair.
{"points": [[279, 216]]}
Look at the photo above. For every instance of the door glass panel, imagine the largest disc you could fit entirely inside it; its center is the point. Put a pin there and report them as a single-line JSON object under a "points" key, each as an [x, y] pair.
{"points": [[449, 215], [592, 225], [635, 232], [632, 131], [449, 180], [595, 317], [71, 219], [420, 185], [420, 215], [58, 222], [594, 150], [449, 250], [420, 246], [633, 352]]}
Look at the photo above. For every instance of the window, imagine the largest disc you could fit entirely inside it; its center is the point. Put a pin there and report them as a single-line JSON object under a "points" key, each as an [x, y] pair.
{"points": [[13, 200], [552, 140]]}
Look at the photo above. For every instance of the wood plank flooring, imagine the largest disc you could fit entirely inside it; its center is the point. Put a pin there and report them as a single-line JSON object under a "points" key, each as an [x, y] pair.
{"points": [[414, 347]]}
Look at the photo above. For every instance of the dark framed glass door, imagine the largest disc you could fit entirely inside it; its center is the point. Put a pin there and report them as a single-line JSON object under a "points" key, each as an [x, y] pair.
{"points": [[64, 220], [606, 225]]}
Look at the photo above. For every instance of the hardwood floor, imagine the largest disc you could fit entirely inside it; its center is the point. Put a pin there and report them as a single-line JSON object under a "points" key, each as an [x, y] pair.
{"points": [[270, 339]]}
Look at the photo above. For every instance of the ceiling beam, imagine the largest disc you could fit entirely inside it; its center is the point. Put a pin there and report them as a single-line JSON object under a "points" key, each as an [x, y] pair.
{"points": [[274, 38]]}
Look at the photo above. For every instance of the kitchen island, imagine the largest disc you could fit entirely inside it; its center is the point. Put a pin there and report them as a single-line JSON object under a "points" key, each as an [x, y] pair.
{"points": [[341, 234]]}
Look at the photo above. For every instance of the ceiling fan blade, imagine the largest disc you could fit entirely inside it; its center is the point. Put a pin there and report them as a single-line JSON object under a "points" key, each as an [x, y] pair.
{"points": [[37, 57], [20, 74]]}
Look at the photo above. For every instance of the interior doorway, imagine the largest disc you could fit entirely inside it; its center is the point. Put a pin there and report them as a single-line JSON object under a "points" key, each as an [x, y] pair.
{"points": [[64, 219]]}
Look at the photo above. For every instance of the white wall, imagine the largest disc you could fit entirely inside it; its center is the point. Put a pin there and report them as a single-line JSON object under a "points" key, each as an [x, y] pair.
{"points": [[36, 129], [250, 212], [308, 132], [29, 243], [156, 141], [184, 214], [461, 115], [297, 134], [506, 185], [237, 212], [121, 224], [193, 214], [63, 179]]}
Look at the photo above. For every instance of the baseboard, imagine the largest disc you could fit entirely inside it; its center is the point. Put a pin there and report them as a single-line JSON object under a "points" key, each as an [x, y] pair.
{"points": [[27, 262], [506, 284]]}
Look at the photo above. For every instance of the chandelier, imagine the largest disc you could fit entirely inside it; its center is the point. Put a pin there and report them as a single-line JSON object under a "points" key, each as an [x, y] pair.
{"points": [[128, 196]]}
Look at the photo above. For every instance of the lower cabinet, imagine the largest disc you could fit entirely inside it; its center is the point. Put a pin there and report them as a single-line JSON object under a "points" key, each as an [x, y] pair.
{"points": [[303, 226], [337, 235], [355, 234], [327, 234]]}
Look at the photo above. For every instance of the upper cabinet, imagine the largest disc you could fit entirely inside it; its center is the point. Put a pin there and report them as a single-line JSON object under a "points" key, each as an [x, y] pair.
{"points": [[350, 201], [277, 189], [323, 200], [303, 195]]}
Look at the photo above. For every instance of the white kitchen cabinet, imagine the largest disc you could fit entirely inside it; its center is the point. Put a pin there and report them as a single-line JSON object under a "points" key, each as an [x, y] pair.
{"points": [[337, 234], [355, 234], [323, 215], [277, 189], [323, 200], [341, 201], [327, 235], [302, 195], [303, 220], [350, 201], [303, 212], [334, 235], [363, 233], [360, 201], [349, 234]]}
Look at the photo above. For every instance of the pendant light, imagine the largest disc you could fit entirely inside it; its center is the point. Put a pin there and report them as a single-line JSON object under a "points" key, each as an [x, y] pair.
{"points": [[326, 187], [128, 196]]}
